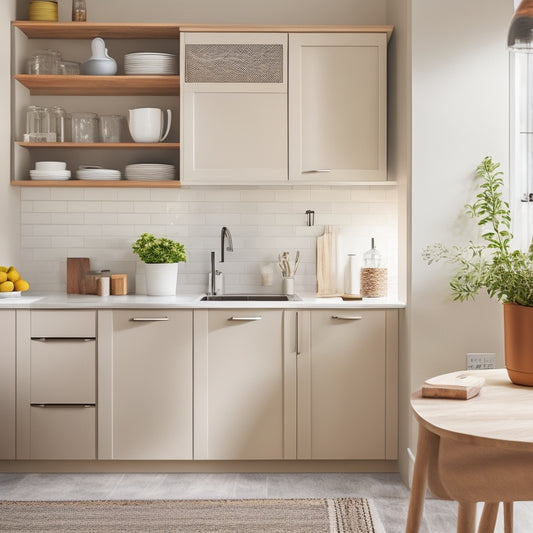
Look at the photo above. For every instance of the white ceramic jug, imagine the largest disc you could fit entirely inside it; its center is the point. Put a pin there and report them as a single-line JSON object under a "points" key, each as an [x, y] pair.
{"points": [[146, 124]]}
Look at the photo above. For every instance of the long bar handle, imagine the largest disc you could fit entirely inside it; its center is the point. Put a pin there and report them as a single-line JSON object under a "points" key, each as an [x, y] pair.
{"points": [[316, 170], [298, 333], [62, 339], [149, 319], [346, 317], [71, 405], [245, 318]]}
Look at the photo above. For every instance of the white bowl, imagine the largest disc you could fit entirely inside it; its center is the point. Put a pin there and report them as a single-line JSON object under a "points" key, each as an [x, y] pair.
{"points": [[50, 165]]}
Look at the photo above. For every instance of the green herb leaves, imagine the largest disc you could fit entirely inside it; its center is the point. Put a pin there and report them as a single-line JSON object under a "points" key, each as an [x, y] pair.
{"points": [[158, 250]]}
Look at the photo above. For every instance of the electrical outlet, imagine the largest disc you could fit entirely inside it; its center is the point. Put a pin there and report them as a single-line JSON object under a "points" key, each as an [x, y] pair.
{"points": [[480, 361]]}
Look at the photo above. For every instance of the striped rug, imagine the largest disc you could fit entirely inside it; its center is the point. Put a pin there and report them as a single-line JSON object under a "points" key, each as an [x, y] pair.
{"points": [[327, 515]]}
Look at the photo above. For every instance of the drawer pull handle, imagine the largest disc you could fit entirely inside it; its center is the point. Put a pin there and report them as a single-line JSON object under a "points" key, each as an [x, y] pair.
{"points": [[62, 339], [344, 317], [149, 319], [73, 405], [316, 170], [245, 318]]}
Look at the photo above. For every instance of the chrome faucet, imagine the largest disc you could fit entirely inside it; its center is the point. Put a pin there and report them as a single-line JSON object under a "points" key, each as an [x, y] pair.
{"points": [[225, 234]]}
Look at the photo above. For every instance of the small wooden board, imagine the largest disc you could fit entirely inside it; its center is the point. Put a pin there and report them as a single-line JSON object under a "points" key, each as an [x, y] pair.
{"points": [[77, 268], [457, 385]]}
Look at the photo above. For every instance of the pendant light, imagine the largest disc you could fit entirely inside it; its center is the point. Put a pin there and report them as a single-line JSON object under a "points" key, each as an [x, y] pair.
{"points": [[521, 30]]}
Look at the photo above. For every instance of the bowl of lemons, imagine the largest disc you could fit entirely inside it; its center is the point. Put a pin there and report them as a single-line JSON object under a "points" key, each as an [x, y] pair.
{"points": [[11, 282]]}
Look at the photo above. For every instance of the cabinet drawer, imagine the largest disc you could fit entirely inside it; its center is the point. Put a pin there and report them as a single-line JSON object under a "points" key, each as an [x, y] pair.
{"points": [[62, 371], [63, 324], [63, 432]]}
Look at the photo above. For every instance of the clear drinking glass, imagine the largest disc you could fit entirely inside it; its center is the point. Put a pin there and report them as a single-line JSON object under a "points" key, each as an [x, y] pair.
{"points": [[84, 127], [38, 127], [58, 122], [110, 128]]}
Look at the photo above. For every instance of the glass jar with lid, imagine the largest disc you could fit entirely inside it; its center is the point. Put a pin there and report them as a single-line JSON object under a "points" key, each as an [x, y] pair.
{"points": [[79, 11]]}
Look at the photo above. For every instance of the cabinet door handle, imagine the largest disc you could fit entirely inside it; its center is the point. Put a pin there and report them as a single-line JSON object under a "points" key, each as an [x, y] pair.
{"points": [[72, 405], [149, 319], [297, 333], [61, 339], [346, 317], [245, 318], [316, 170]]}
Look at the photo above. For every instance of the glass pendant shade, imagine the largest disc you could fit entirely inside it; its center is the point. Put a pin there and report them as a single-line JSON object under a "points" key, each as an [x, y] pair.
{"points": [[521, 30]]}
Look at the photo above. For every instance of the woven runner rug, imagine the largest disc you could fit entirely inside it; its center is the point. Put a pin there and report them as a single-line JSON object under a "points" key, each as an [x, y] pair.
{"points": [[327, 515]]}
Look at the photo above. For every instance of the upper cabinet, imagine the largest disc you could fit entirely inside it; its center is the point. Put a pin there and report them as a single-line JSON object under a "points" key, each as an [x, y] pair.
{"points": [[337, 107], [302, 107], [103, 95], [234, 107]]}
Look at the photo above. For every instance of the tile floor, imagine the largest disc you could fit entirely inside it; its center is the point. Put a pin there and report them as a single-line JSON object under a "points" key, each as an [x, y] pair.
{"points": [[388, 492]]}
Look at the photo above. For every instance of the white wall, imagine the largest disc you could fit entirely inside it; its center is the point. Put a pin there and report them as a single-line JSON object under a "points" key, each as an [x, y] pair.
{"points": [[460, 114]]}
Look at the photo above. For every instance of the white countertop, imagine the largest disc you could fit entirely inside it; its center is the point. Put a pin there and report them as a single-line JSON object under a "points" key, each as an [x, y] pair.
{"points": [[185, 301]]}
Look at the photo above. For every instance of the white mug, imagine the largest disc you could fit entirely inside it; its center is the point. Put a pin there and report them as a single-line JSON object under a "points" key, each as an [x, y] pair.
{"points": [[146, 124]]}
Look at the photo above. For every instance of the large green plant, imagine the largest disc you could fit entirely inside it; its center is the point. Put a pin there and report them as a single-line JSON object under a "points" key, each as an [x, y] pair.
{"points": [[158, 250], [489, 262]]}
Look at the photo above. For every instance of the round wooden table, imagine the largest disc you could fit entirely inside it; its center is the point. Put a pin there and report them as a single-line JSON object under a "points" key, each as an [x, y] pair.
{"points": [[476, 450]]}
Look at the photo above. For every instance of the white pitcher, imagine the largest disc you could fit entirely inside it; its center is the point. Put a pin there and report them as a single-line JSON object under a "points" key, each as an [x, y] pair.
{"points": [[146, 124]]}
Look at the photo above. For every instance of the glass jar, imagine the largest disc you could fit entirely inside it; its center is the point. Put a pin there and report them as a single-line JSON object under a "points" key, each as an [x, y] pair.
{"points": [[84, 127], [79, 11], [58, 122], [38, 125], [45, 62]]}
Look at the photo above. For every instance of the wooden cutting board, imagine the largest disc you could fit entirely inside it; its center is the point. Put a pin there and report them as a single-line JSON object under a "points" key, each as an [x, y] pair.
{"points": [[77, 268], [326, 263]]}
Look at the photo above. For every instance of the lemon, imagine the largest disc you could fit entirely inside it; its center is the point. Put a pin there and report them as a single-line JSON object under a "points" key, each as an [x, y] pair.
{"points": [[7, 286], [21, 285], [12, 274], [3, 269], [3, 276]]}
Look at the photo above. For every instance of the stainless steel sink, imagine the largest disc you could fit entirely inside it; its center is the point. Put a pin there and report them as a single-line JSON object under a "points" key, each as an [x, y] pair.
{"points": [[252, 298]]}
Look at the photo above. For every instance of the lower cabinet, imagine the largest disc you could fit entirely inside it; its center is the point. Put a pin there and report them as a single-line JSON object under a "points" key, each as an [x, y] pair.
{"points": [[7, 383], [151, 384], [346, 372], [56, 384], [238, 365]]}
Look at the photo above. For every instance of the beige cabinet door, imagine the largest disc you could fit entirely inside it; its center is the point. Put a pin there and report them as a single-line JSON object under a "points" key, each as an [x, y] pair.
{"points": [[152, 384], [7, 384], [337, 107], [343, 387], [234, 107], [238, 384]]}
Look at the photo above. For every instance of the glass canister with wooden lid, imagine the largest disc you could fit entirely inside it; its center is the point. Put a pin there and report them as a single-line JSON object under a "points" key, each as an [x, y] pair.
{"points": [[374, 276]]}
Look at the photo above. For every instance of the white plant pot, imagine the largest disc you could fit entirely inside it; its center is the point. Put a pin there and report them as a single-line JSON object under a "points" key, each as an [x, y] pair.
{"points": [[161, 278]]}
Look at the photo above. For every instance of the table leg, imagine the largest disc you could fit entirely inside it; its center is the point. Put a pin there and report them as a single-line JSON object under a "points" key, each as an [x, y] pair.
{"points": [[488, 517], [508, 517], [426, 440], [466, 518]]}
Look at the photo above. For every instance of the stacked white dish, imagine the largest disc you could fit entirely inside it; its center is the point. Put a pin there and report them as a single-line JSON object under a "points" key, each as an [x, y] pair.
{"points": [[150, 172], [50, 171], [98, 174], [150, 64]]}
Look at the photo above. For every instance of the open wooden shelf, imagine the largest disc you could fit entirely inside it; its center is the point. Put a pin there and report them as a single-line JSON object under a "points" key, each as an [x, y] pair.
{"points": [[90, 30], [114, 146], [48, 84], [169, 184]]}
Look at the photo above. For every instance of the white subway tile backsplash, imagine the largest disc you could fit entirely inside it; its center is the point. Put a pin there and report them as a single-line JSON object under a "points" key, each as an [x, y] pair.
{"points": [[103, 223]]}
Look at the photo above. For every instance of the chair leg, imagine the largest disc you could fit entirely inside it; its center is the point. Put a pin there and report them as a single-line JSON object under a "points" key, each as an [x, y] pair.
{"points": [[487, 522], [508, 517], [466, 517]]}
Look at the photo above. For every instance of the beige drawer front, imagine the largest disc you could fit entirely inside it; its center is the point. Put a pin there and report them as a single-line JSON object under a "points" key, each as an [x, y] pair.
{"points": [[63, 432], [63, 324], [63, 371]]}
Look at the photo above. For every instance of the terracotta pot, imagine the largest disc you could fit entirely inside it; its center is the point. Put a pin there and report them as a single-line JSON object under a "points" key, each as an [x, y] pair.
{"points": [[518, 329]]}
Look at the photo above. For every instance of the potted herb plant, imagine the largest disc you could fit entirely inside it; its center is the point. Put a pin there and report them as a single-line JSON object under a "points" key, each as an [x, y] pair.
{"points": [[490, 263], [161, 257]]}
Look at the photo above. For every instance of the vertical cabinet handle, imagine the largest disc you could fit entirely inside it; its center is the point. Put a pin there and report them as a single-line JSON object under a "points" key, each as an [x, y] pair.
{"points": [[297, 333]]}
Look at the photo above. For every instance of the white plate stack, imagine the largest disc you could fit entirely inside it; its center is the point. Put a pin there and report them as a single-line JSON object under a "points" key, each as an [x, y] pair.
{"points": [[98, 174], [49, 175], [150, 172], [150, 64]]}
